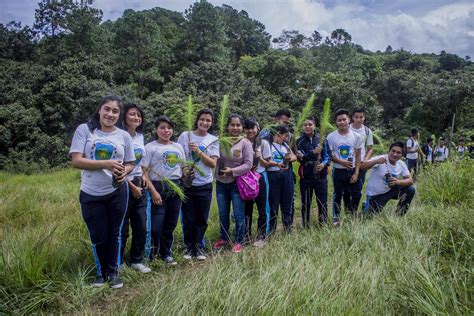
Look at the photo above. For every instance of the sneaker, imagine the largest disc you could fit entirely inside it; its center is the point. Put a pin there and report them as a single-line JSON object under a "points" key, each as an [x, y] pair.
{"points": [[140, 267], [188, 254], [98, 282], [237, 248], [200, 255], [220, 243], [115, 282], [259, 243], [170, 261]]}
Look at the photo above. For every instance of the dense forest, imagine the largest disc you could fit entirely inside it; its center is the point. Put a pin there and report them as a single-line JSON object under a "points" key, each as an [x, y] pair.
{"points": [[55, 72]]}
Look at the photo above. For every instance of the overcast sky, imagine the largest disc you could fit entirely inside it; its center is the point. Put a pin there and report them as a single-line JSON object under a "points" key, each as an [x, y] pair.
{"points": [[422, 26]]}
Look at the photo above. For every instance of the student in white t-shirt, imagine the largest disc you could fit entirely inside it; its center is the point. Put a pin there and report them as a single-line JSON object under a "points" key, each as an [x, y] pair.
{"points": [[105, 155], [441, 152], [389, 180], [413, 152], [262, 154], [163, 160], [357, 126], [202, 148], [345, 146], [136, 216], [461, 149]]}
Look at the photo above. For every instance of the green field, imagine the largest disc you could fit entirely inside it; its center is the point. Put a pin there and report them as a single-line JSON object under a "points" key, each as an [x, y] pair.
{"points": [[421, 263]]}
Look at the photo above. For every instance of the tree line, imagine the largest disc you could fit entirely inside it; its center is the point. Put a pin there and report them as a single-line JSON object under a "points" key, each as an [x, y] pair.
{"points": [[55, 72]]}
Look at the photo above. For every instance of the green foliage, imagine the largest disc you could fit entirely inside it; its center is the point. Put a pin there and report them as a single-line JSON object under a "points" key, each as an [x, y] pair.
{"points": [[447, 183], [223, 115], [56, 72], [174, 188], [324, 120], [306, 112], [190, 114]]}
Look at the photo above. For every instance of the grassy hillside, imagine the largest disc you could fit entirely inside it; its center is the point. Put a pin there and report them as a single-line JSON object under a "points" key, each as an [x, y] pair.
{"points": [[421, 263]]}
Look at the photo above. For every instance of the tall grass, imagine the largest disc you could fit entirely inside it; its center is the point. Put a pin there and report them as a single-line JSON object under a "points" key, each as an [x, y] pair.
{"points": [[417, 264]]}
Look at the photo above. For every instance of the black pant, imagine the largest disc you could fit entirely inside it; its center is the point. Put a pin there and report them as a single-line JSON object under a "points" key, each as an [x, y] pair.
{"points": [[404, 195], [412, 164], [320, 188], [281, 195], [104, 216], [341, 180], [263, 210], [347, 195], [136, 217], [164, 219], [195, 214]]}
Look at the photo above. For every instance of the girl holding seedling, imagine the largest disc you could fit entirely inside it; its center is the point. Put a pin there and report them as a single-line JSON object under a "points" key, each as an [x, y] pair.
{"points": [[136, 216], [235, 162], [105, 155], [203, 149], [280, 178], [314, 158], [262, 155], [162, 164]]}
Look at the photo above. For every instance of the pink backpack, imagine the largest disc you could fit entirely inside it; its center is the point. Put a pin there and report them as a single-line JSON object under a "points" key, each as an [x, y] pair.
{"points": [[248, 185]]}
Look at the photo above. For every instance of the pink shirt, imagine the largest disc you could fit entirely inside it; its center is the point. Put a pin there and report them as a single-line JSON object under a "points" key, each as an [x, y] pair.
{"points": [[240, 159]]}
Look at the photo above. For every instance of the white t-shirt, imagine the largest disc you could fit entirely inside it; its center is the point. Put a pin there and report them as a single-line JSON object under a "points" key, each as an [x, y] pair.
{"points": [[202, 141], [429, 154], [344, 146], [265, 152], [461, 151], [163, 160], [377, 183], [99, 145], [278, 152], [139, 150], [411, 143], [441, 153], [367, 138]]}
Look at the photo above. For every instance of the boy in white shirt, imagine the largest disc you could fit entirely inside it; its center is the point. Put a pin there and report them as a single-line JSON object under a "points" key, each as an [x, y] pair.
{"points": [[345, 146], [389, 180], [413, 150]]}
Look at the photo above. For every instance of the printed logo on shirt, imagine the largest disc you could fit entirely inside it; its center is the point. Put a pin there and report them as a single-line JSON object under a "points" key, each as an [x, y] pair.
{"points": [[194, 156], [103, 150], [344, 151], [171, 159], [276, 157], [138, 154], [236, 153]]}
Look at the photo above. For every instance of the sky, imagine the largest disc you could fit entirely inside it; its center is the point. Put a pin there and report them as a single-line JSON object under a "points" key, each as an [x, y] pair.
{"points": [[420, 26]]}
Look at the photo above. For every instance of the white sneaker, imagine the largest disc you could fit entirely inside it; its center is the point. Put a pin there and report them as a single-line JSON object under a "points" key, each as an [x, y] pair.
{"points": [[200, 255], [140, 267], [259, 243]]}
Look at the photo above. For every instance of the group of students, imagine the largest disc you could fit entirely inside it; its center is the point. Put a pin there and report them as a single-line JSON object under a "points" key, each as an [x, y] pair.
{"points": [[416, 154], [127, 183]]}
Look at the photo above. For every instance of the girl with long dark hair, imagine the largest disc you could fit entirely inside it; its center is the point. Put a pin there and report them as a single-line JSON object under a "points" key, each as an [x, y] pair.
{"points": [[105, 155]]}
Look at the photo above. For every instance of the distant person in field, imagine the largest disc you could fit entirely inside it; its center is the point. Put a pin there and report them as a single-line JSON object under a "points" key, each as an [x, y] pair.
{"points": [[389, 180], [314, 156], [345, 146], [441, 151], [413, 152], [428, 150], [262, 154], [236, 162], [136, 216], [357, 126], [163, 163], [461, 149], [202, 148], [470, 148], [280, 178], [105, 155]]}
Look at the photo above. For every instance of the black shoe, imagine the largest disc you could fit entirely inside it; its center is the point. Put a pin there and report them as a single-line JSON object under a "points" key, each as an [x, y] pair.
{"points": [[115, 282], [98, 282]]}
